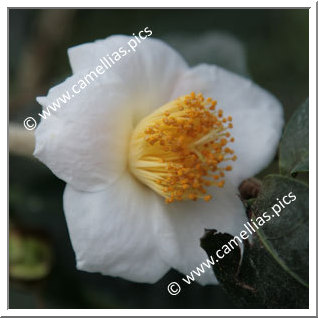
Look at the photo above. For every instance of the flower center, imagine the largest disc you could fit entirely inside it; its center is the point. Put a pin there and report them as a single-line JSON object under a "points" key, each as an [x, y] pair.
{"points": [[180, 149]]}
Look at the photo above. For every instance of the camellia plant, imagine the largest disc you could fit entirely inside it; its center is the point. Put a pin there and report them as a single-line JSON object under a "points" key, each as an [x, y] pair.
{"points": [[273, 270], [153, 153]]}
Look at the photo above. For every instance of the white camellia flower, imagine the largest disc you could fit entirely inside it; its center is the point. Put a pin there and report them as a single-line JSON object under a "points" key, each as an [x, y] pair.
{"points": [[144, 147]]}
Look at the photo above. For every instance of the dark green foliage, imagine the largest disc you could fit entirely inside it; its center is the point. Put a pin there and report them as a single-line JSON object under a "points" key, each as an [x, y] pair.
{"points": [[294, 147], [274, 269]]}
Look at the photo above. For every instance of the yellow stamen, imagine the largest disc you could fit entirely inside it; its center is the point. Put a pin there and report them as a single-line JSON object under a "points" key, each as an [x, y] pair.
{"points": [[177, 150]]}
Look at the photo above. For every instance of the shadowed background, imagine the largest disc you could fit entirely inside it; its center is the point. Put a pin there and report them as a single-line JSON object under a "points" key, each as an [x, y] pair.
{"points": [[270, 46]]}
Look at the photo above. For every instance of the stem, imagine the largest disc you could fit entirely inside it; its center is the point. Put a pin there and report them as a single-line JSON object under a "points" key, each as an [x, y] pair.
{"points": [[21, 141]]}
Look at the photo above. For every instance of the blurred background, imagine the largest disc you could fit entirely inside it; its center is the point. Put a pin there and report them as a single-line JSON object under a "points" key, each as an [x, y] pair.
{"points": [[271, 46]]}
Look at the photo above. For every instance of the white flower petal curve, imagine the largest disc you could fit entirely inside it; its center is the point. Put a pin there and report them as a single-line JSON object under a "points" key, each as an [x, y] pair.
{"points": [[113, 231], [150, 72], [257, 115], [189, 219], [85, 141]]}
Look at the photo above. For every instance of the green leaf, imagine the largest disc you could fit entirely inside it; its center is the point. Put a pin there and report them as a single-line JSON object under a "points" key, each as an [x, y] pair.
{"points": [[237, 279], [29, 257], [273, 271], [294, 147]]}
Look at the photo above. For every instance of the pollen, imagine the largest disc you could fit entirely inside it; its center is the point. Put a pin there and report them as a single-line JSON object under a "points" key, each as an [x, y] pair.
{"points": [[182, 148]]}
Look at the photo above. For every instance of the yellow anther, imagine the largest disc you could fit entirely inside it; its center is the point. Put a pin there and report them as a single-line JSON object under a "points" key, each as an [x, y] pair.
{"points": [[221, 184], [177, 150], [169, 200]]}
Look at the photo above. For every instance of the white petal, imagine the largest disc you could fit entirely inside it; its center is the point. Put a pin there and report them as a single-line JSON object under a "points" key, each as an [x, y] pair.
{"points": [[85, 141], [113, 231], [150, 72], [224, 213], [257, 115]]}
